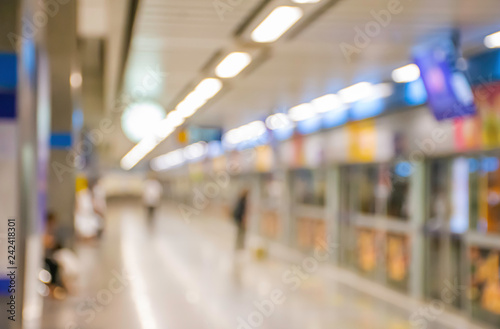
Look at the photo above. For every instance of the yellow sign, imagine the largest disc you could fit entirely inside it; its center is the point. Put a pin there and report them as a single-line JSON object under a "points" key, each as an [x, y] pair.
{"points": [[362, 141], [183, 136], [264, 160]]}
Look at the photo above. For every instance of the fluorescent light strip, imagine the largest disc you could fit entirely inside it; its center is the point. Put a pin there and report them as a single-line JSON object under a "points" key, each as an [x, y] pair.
{"points": [[195, 151], [246, 132], [205, 90], [327, 103], [208, 88], [492, 40], [138, 152], [356, 92], [382, 90], [302, 112], [189, 105], [180, 156], [233, 64], [280, 20], [278, 121], [405, 74], [169, 160]]}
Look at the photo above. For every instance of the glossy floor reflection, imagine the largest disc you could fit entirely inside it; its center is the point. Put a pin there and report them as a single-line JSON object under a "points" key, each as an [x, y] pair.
{"points": [[182, 275]]}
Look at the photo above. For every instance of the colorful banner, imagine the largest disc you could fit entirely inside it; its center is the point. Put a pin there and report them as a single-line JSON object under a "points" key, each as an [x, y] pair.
{"points": [[483, 130]]}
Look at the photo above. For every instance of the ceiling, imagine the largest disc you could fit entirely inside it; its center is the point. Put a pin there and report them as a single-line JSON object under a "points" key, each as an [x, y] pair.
{"points": [[179, 37]]}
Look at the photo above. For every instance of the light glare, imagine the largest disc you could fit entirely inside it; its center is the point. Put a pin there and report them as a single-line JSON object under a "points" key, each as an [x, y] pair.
{"points": [[138, 118], [76, 80], [45, 276]]}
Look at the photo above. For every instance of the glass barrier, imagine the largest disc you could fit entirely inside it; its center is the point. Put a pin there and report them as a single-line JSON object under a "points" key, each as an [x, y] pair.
{"points": [[309, 186], [383, 190]]}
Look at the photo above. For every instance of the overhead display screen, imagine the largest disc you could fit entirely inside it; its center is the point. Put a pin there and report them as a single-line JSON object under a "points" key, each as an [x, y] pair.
{"points": [[449, 92]]}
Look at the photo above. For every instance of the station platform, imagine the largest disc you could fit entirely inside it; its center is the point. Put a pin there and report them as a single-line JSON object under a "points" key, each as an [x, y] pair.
{"points": [[183, 275]]}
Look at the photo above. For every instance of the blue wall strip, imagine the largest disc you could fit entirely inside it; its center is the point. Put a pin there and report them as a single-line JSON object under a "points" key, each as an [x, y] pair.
{"points": [[4, 287], [8, 71], [7, 105], [61, 140], [485, 68]]}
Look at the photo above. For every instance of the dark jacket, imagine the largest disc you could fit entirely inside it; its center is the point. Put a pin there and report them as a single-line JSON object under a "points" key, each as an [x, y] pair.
{"points": [[239, 210]]}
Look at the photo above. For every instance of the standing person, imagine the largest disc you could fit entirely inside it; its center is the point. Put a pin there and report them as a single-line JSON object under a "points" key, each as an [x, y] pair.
{"points": [[99, 201], [239, 216], [151, 198], [52, 245]]}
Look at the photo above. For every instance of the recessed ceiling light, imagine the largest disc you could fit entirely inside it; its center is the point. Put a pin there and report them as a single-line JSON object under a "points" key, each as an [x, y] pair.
{"points": [[302, 112], [233, 64], [327, 103], [75, 80], [280, 20], [356, 92], [492, 40], [407, 73], [208, 88], [278, 121]]}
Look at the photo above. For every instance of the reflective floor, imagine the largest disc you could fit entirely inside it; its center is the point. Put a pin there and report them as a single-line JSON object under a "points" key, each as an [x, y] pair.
{"points": [[183, 275]]}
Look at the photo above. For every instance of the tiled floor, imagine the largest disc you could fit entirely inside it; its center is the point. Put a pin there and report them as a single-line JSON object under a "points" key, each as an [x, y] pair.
{"points": [[182, 275]]}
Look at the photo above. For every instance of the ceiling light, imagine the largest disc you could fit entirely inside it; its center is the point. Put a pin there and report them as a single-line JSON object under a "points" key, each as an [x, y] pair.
{"points": [[327, 103], [250, 131], [208, 88], [278, 121], [138, 152], [233, 64], [167, 161], [175, 118], [138, 118], [75, 80], [195, 151], [302, 112], [280, 20], [405, 74], [356, 92], [45, 276], [383, 90], [192, 103], [164, 129], [233, 137], [254, 129], [492, 40]]}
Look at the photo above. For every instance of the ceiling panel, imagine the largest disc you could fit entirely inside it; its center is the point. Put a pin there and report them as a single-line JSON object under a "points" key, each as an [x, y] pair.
{"points": [[180, 36]]}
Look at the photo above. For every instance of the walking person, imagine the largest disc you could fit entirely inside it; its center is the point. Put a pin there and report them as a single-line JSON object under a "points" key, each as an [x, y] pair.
{"points": [[239, 217], [151, 199]]}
